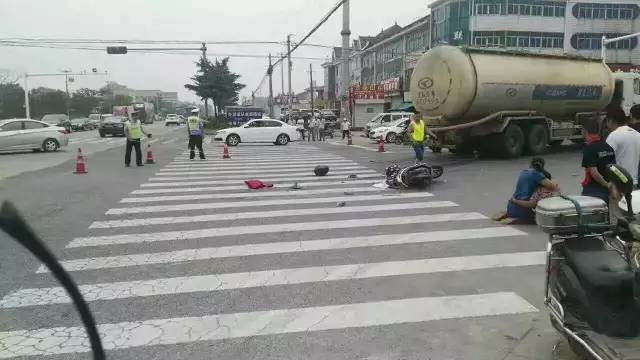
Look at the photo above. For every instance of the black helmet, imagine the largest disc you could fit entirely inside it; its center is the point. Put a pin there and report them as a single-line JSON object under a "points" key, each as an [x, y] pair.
{"points": [[321, 170]]}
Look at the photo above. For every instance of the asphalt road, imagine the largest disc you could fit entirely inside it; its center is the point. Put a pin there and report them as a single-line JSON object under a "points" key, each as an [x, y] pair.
{"points": [[180, 261], [16, 163]]}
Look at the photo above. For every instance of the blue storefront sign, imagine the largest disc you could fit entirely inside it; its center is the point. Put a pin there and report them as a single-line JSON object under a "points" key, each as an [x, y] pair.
{"points": [[241, 116]]}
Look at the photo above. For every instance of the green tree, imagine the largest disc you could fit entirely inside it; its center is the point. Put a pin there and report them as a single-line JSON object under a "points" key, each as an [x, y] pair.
{"points": [[11, 100], [84, 101], [226, 84], [120, 100], [47, 101], [201, 82], [215, 81]]}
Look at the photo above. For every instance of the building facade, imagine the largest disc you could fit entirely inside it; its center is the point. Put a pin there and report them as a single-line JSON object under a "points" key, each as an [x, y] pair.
{"points": [[380, 69], [571, 27]]}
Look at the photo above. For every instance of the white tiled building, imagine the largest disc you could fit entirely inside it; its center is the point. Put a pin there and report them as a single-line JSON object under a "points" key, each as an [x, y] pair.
{"points": [[569, 27]]}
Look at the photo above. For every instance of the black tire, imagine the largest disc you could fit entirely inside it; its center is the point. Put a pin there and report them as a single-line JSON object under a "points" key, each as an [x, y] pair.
{"points": [[510, 143], [555, 143], [537, 139], [102, 134], [436, 171], [50, 145], [391, 137], [233, 140], [435, 149], [282, 139]]}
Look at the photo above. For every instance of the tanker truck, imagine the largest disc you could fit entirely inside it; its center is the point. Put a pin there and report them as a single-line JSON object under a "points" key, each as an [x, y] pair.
{"points": [[508, 103]]}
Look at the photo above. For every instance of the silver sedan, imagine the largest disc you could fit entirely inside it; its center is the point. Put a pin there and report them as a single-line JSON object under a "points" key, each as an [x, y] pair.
{"points": [[25, 134]]}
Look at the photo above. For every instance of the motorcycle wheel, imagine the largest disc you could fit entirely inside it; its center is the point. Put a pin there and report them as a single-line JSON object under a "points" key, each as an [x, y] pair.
{"points": [[436, 171]]}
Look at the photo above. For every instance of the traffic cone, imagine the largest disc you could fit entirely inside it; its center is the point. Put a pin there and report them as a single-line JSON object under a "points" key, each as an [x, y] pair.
{"points": [[80, 165], [225, 152], [349, 141], [150, 155], [381, 144]]}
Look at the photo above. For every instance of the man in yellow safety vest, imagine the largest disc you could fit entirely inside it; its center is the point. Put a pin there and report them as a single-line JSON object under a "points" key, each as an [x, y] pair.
{"points": [[133, 131], [417, 131], [195, 128]]}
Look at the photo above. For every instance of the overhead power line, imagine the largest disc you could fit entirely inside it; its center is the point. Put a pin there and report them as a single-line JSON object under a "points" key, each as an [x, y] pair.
{"points": [[301, 42]]}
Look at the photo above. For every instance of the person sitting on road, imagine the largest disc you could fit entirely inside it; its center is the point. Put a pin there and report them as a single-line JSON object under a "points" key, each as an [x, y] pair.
{"points": [[533, 185], [596, 155]]}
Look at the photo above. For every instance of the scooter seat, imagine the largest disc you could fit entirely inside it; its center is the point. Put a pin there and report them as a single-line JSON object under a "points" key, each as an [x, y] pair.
{"points": [[602, 270]]}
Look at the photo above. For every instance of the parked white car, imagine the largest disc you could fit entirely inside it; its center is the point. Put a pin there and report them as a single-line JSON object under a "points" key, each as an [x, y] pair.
{"points": [[27, 134], [259, 131], [384, 119], [390, 131]]}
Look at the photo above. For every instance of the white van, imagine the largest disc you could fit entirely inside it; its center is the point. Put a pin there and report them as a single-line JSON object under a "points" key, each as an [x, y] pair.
{"points": [[383, 119]]}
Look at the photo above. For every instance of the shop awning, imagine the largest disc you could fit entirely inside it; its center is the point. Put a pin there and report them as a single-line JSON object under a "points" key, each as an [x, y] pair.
{"points": [[404, 107]]}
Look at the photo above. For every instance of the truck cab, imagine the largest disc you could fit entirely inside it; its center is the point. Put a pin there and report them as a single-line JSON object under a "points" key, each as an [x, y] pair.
{"points": [[628, 88]]}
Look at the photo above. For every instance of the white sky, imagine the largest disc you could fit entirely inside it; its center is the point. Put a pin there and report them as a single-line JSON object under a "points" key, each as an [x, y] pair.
{"points": [[221, 20]]}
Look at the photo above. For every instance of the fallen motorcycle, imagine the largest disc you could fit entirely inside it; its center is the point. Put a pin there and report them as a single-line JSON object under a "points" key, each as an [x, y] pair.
{"points": [[414, 176], [592, 288]]}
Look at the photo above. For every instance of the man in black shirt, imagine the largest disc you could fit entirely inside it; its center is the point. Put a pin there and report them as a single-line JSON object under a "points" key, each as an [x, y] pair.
{"points": [[596, 155]]}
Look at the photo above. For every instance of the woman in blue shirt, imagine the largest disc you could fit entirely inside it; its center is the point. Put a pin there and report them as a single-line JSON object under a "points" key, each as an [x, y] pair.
{"points": [[520, 207]]}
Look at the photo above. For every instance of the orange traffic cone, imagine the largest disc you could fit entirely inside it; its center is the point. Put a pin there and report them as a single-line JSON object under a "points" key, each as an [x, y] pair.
{"points": [[381, 144], [225, 152], [150, 155], [80, 165]]}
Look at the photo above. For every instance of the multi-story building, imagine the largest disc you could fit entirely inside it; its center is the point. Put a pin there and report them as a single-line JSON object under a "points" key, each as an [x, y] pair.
{"points": [[379, 70], [555, 26], [169, 97]]}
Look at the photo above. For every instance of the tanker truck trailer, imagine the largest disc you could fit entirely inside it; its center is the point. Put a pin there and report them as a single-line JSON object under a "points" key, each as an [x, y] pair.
{"points": [[509, 103]]}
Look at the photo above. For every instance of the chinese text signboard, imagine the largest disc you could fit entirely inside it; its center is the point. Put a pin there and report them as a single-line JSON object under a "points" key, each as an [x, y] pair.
{"points": [[378, 91]]}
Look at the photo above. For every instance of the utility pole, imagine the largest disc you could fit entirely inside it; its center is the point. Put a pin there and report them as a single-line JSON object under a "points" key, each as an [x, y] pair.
{"points": [[26, 97], [66, 87], [311, 86], [206, 100], [270, 72], [290, 66], [281, 75], [346, 33]]}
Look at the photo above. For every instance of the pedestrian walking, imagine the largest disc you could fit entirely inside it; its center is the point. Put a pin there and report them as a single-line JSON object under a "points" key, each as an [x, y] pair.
{"points": [[307, 128], [133, 131], [417, 131], [315, 128], [195, 130], [322, 127], [624, 141], [346, 128]]}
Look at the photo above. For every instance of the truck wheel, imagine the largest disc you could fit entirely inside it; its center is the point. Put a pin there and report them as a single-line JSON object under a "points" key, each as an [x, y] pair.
{"points": [[555, 143], [536, 139], [510, 142]]}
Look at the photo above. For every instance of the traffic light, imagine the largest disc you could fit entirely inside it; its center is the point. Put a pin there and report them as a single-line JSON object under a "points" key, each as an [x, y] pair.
{"points": [[116, 50]]}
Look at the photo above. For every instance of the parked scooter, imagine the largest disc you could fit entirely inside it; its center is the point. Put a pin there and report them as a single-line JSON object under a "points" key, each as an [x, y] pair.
{"points": [[593, 279]]}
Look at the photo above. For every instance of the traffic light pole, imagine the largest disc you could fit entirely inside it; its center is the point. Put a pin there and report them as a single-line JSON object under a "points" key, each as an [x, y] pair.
{"points": [[66, 74], [270, 72]]}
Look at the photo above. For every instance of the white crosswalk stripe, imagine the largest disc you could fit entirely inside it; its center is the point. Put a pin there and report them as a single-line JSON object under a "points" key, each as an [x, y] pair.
{"points": [[213, 236], [246, 195], [234, 180]]}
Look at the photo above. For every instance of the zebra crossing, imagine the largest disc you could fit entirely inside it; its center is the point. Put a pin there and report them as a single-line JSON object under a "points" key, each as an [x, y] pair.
{"points": [[156, 268]]}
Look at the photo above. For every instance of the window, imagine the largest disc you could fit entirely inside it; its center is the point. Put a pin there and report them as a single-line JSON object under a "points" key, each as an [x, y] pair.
{"points": [[536, 8], [524, 39], [272, 124], [606, 11], [12, 126], [385, 119], [593, 41], [636, 86], [34, 125], [258, 123], [370, 110], [488, 9]]}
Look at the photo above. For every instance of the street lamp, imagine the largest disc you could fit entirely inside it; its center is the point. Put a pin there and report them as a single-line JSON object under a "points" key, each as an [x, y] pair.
{"points": [[605, 42]]}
